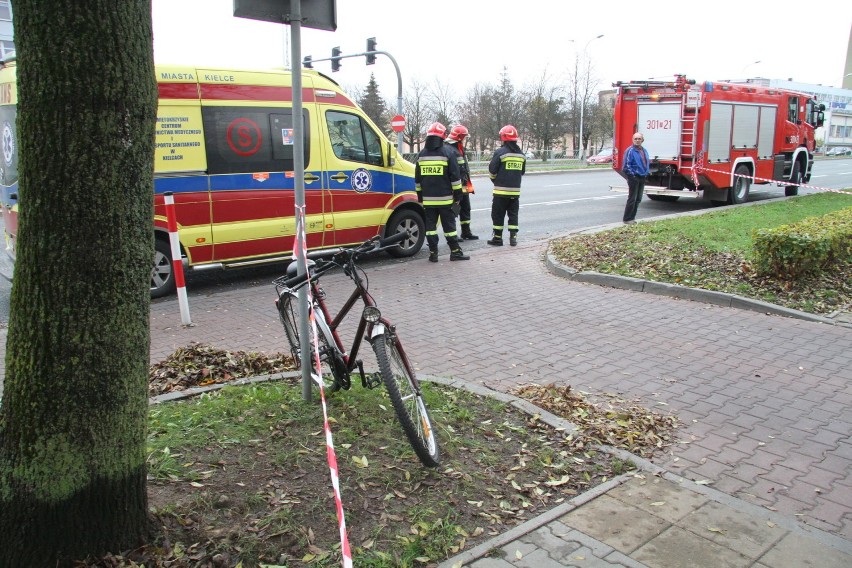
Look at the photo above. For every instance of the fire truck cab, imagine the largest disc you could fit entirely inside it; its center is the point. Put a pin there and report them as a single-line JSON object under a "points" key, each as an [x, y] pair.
{"points": [[714, 140]]}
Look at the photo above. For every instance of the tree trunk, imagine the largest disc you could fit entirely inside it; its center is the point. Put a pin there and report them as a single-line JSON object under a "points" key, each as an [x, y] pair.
{"points": [[74, 412]]}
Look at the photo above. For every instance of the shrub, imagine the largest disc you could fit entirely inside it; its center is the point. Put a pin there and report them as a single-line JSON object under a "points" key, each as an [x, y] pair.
{"points": [[810, 245]]}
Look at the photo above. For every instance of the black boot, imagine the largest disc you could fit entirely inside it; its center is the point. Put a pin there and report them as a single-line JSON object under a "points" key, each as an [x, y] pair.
{"points": [[457, 254], [467, 235], [496, 240], [513, 240], [433, 256]]}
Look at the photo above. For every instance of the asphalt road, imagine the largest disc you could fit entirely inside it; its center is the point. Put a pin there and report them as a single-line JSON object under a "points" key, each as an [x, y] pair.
{"points": [[551, 204]]}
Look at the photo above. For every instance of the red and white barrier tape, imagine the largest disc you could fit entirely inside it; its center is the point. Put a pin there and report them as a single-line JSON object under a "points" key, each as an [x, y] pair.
{"points": [[828, 189], [317, 378]]}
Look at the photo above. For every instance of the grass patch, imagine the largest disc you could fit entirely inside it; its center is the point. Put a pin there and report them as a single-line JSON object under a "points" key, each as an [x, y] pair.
{"points": [[713, 251], [239, 476]]}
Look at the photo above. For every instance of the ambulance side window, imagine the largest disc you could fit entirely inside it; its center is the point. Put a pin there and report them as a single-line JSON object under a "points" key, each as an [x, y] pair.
{"points": [[249, 139], [352, 139]]}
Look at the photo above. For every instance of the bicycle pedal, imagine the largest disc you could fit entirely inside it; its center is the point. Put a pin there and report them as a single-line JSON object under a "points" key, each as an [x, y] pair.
{"points": [[371, 381]]}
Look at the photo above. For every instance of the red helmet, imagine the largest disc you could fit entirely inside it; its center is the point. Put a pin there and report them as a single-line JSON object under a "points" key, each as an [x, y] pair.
{"points": [[509, 133], [437, 129], [458, 133]]}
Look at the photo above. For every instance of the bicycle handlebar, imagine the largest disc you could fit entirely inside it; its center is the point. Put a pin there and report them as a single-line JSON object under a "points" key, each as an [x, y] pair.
{"points": [[370, 246]]}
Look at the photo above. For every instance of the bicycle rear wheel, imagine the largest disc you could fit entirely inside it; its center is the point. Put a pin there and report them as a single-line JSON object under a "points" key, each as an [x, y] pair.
{"points": [[404, 392], [288, 312]]}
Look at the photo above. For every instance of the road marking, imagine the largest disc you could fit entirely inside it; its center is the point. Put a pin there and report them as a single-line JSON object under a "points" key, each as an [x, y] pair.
{"points": [[562, 185], [562, 202]]}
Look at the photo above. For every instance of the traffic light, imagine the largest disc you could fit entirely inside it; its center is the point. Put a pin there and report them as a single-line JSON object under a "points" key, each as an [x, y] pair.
{"points": [[335, 59], [307, 62], [371, 46]]}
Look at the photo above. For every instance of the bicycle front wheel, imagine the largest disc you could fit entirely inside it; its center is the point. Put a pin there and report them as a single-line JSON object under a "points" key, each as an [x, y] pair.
{"points": [[407, 400]]}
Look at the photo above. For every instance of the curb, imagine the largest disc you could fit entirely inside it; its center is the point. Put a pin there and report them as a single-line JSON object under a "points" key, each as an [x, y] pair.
{"points": [[643, 466], [683, 292]]}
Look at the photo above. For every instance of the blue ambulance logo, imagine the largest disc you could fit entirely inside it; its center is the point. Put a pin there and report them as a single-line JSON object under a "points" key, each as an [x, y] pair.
{"points": [[8, 144], [362, 180]]}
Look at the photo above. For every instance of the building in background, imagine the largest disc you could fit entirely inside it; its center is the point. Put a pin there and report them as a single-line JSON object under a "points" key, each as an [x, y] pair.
{"points": [[7, 43]]}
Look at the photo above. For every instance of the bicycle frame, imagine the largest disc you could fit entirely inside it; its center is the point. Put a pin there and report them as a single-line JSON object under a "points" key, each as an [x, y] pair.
{"points": [[394, 368]]}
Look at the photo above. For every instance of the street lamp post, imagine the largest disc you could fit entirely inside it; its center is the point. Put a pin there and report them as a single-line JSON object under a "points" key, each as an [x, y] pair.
{"points": [[583, 99]]}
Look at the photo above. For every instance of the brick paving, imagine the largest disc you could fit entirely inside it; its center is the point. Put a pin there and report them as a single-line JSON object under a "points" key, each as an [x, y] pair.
{"points": [[765, 400]]}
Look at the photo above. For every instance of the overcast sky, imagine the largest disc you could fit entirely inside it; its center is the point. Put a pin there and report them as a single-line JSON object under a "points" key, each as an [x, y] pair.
{"points": [[464, 42]]}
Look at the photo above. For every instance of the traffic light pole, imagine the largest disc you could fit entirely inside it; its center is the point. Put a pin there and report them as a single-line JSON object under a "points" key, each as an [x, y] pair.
{"points": [[309, 61]]}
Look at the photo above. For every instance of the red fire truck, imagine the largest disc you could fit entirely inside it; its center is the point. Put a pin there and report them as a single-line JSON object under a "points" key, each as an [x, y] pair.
{"points": [[713, 140]]}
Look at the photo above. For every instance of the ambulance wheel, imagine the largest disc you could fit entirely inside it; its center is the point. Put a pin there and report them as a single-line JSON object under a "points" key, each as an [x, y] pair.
{"points": [[406, 220], [739, 192], [796, 178], [162, 273]]}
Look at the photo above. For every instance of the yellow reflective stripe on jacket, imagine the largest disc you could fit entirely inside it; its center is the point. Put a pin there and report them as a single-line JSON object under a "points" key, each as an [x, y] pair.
{"points": [[437, 201], [507, 191]]}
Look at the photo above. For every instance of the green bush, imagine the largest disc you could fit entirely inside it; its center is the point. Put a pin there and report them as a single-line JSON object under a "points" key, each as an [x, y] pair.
{"points": [[810, 245]]}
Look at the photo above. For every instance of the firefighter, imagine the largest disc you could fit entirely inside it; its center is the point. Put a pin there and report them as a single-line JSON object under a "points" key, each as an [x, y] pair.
{"points": [[506, 169], [455, 140], [438, 183]]}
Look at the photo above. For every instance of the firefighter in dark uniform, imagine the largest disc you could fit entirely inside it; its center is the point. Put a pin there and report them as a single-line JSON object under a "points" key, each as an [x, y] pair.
{"points": [[455, 140], [506, 169], [438, 183]]}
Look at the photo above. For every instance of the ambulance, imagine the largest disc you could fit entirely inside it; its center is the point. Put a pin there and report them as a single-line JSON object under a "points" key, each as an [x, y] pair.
{"points": [[224, 149]]}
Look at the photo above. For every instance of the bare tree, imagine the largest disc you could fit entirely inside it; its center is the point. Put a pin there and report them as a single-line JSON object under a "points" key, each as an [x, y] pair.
{"points": [[74, 412], [471, 111], [417, 115], [441, 102], [546, 114]]}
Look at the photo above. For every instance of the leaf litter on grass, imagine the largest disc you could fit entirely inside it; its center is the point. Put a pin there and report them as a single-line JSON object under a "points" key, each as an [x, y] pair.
{"points": [[239, 476]]}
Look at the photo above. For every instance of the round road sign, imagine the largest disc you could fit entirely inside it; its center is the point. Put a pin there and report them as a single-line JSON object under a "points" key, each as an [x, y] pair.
{"points": [[398, 123]]}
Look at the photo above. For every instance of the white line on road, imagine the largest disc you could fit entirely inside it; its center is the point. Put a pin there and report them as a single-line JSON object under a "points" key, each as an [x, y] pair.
{"points": [[561, 202]]}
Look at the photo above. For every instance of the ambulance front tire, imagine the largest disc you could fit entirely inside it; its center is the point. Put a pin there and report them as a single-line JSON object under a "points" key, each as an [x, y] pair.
{"points": [[407, 220], [162, 273]]}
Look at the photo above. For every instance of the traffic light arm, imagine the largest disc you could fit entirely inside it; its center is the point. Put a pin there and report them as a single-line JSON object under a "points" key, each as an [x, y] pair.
{"points": [[312, 60]]}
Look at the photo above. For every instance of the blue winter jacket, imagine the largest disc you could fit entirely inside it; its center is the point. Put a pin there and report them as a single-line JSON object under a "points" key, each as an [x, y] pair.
{"points": [[633, 164]]}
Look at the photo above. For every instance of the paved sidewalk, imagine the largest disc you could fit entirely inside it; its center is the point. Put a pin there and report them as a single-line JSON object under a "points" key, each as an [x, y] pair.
{"points": [[765, 401]]}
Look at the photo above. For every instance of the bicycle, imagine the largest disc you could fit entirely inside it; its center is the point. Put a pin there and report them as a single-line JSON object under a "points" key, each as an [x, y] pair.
{"points": [[395, 370]]}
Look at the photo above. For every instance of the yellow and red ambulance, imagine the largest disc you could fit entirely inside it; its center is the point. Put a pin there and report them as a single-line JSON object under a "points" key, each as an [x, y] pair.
{"points": [[224, 149]]}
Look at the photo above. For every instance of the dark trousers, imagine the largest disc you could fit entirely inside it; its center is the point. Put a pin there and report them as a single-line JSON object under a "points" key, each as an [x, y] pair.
{"points": [[635, 187], [501, 206], [464, 211], [448, 223]]}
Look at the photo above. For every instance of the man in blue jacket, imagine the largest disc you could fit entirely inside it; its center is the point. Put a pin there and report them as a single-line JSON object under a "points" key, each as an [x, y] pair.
{"points": [[636, 168]]}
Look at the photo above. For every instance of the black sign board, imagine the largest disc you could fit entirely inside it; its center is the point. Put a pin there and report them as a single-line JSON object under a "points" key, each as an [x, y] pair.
{"points": [[317, 14]]}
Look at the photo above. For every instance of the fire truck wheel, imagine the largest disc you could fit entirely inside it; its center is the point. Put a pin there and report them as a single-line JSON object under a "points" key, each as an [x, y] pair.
{"points": [[162, 273], [406, 220], [739, 192], [792, 190]]}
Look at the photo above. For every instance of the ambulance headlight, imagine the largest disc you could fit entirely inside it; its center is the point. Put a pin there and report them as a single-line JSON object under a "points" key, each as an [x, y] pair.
{"points": [[372, 314]]}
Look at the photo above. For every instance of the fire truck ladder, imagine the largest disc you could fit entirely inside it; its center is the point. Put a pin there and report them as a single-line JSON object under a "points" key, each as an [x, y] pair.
{"points": [[689, 124]]}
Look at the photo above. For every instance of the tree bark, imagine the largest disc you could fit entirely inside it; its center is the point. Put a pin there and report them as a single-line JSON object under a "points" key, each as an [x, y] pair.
{"points": [[74, 412]]}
